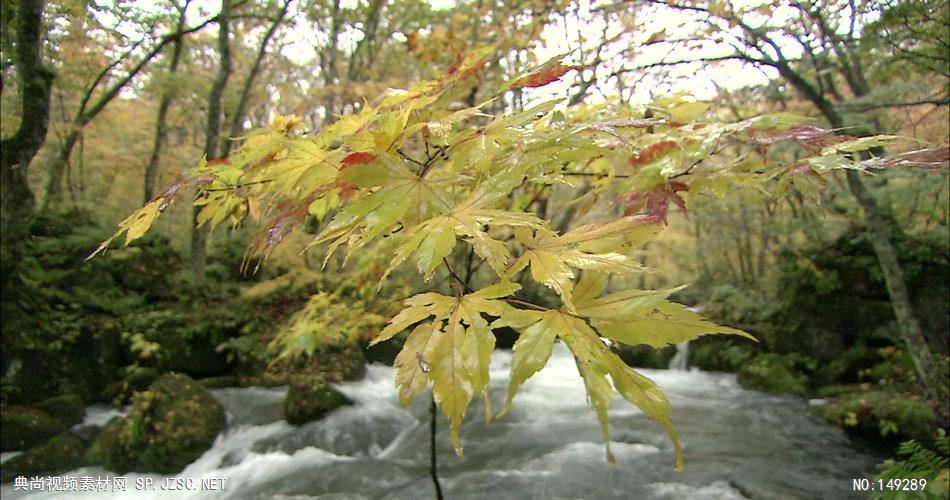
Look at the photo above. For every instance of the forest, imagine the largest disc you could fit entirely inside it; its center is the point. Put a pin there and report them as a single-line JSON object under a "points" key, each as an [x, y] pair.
{"points": [[355, 249]]}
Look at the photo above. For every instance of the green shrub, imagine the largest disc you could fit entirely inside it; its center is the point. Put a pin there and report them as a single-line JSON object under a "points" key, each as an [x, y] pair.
{"points": [[883, 416], [777, 373]]}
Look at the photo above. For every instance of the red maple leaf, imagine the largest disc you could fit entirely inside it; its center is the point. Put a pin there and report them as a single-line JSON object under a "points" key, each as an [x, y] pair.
{"points": [[346, 189], [542, 77], [650, 153], [656, 203], [357, 158]]}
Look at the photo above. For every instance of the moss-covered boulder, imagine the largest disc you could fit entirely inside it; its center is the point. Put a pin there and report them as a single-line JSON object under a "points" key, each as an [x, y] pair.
{"points": [[219, 382], [311, 398], [643, 356], [63, 453], [774, 373], [68, 408], [23, 427], [333, 364], [170, 425], [721, 354], [884, 416]]}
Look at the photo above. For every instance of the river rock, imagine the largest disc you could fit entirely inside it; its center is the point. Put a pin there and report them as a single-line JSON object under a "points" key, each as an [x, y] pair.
{"points": [[169, 426], [333, 364], [23, 427], [68, 408], [64, 452], [310, 398]]}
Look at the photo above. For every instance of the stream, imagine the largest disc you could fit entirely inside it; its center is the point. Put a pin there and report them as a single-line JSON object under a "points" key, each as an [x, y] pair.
{"points": [[738, 443]]}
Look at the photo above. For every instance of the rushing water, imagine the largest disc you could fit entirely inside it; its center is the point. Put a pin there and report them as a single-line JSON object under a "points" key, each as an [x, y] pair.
{"points": [[680, 360], [739, 444]]}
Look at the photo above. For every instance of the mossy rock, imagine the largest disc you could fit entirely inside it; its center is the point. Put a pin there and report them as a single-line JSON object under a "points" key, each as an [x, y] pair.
{"points": [[63, 453], [170, 425], [643, 356], [68, 408], [311, 398], [107, 450], [23, 427], [883, 416], [718, 354], [333, 364], [219, 382], [134, 379], [773, 373]]}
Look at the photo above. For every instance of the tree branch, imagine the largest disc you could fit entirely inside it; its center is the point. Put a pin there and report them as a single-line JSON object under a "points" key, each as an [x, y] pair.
{"points": [[84, 116], [869, 106]]}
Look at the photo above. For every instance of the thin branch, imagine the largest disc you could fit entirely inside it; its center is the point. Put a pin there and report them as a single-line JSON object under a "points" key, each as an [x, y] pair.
{"points": [[102, 74], [596, 174], [84, 116], [529, 305], [869, 106], [456, 277]]}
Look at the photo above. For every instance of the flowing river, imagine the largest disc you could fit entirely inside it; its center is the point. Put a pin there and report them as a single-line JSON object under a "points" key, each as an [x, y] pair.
{"points": [[738, 443]]}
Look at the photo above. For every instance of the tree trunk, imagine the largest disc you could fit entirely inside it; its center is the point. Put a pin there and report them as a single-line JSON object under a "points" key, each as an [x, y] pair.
{"points": [[17, 151], [199, 235], [879, 230], [161, 128], [328, 65], [57, 169], [237, 118]]}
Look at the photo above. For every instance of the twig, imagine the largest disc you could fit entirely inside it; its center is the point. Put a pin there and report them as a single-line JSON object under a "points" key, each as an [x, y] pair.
{"points": [[433, 463], [529, 305], [456, 277]]}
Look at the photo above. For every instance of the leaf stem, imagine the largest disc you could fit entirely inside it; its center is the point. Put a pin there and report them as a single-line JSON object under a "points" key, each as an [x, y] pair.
{"points": [[238, 186], [409, 158], [456, 277], [596, 174], [433, 462], [529, 305]]}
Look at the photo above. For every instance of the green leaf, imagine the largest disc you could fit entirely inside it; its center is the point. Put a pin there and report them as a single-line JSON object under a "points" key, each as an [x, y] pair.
{"points": [[590, 354], [665, 324], [412, 370], [642, 392], [476, 356], [551, 257], [405, 198], [533, 347], [451, 380], [622, 305], [456, 348], [862, 144], [420, 307]]}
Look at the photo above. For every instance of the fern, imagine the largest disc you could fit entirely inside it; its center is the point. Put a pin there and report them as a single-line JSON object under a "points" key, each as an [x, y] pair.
{"points": [[919, 463]]}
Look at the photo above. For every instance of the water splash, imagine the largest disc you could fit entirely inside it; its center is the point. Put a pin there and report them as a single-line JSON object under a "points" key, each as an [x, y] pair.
{"points": [[680, 361]]}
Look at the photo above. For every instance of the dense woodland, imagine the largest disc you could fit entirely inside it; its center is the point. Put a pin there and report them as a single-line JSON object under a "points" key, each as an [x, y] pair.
{"points": [[786, 160]]}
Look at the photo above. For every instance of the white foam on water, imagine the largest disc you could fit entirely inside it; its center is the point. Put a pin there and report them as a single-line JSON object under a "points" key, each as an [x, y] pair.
{"points": [[550, 445], [718, 490], [99, 415]]}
